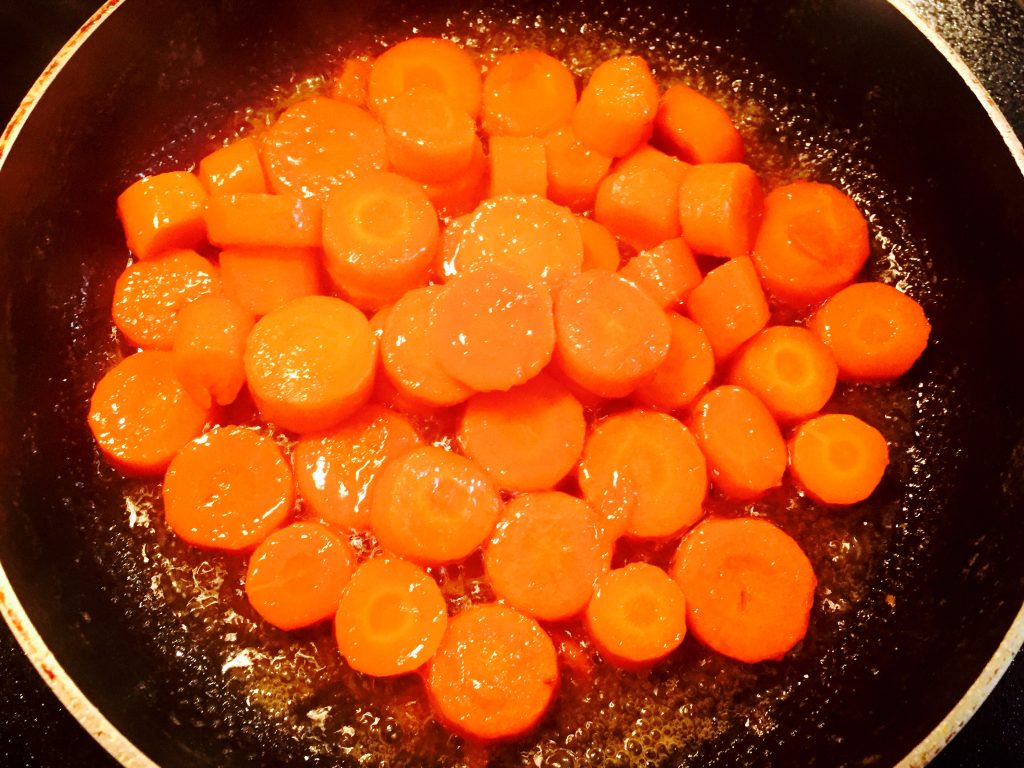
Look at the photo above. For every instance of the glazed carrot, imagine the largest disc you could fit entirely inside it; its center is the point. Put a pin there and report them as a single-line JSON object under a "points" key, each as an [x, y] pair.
{"points": [[429, 137], [318, 142], [545, 555], [527, 93], [643, 472], [384, 391], [336, 471], [574, 170], [380, 238], [310, 363], [874, 331], [149, 294], [208, 341], [639, 200], [351, 81], [720, 209], [696, 128], [425, 61], [585, 397], [259, 221], [234, 169], [838, 459], [463, 193], [264, 279], [228, 489], [749, 588], [433, 506], [163, 212], [813, 241], [491, 329], [610, 336], [617, 106], [666, 273], [297, 574], [729, 305], [494, 674], [792, 372], [140, 414], [530, 236], [600, 249], [687, 369], [391, 619], [527, 439], [742, 442], [519, 166], [637, 615]]}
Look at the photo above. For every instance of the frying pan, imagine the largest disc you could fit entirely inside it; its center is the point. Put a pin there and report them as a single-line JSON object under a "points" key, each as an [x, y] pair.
{"points": [[921, 589]]}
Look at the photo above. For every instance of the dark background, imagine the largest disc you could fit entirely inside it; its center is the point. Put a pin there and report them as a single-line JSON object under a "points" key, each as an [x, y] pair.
{"points": [[35, 730]]}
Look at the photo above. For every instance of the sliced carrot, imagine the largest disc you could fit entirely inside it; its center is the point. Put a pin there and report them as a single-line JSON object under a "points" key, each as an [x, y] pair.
{"points": [[464, 192], [429, 137], [149, 294], [749, 588], [527, 93], [336, 471], [495, 673], [519, 166], [600, 249], [163, 212], [297, 574], [351, 81], [574, 170], [259, 221], [637, 615], [874, 331], [617, 106], [667, 273], [310, 363], [391, 619], [380, 238], [610, 336], [265, 279], [742, 442], [209, 339], [696, 128], [687, 369], [384, 390], [228, 489], [729, 305], [813, 241], [643, 472], [838, 459], [234, 169], [585, 397], [792, 372], [318, 142], [720, 209], [425, 61], [545, 555], [527, 439], [433, 506], [141, 415], [639, 200]]}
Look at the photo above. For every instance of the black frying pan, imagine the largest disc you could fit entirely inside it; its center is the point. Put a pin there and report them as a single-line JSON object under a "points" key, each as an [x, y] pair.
{"points": [[155, 86]]}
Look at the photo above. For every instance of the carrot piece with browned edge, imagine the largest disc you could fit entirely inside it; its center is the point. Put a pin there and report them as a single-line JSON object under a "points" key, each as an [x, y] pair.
{"points": [[263, 221], [429, 137], [208, 342], [461, 194], [687, 369], [617, 106], [527, 93], [666, 273], [519, 166], [639, 200], [163, 212], [264, 279], [837, 458], [425, 61], [575, 171], [234, 169], [697, 128], [600, 248], [720, 209], [351, 80], [729, 305]]}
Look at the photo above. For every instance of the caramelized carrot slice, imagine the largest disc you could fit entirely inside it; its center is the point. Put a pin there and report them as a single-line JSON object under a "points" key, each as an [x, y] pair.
{"points": [[430, 137], [600, 249], [162, 213], [667, 273], [463, 193], [351, 81], [575, 171], [617, 106], [209, 339], [696, 128], [720, 208], [729, 305], [264, 279], [233, 169], [527, 93], [838, 459], [519, 166], [687, 369], [425, 61], [263, 221]]}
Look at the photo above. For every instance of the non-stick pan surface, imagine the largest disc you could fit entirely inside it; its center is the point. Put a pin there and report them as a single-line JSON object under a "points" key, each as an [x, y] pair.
{"points": [[939, 579]]}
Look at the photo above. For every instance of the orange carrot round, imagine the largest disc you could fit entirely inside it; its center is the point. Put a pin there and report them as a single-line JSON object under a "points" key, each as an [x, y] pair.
{"points": [[838, 459], [519, 166], [461, 194], [256, 220], [527, 93], [617, 106], [687, 369], [264, 279], [209, 339], [667, 273], [729, 305], [425, 61], [233, 169], [696, 128], [720, 208], [600, 249], [575, 171], [163, 213], [429, 137], [351, 81]]}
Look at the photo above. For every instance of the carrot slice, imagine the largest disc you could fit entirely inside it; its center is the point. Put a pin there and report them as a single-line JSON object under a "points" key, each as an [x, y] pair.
{"points": [[545, 555], [310, 363], [610, 336], [209, 339], [233, 169], [162, 213], [838, 459], [742, 442], [792, 372], [433, 506], [380, 238], [429, 137], [574, 170], [874, 331], [519, 166], [257, 220], [425, 61], [297, 574], [463, 193], [720, 208], [495, 673], [687, 369], [527, 93], [600, 249], [696, 128], [391, 619], [264, 279], [667, 273], [637, 615], [337, 471], [141, 415], [617, 106], [527, 439], [645, 475], [729, 305], [318, 142], [351, 81], [228, 489], [749, 588], [813, 241]]}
